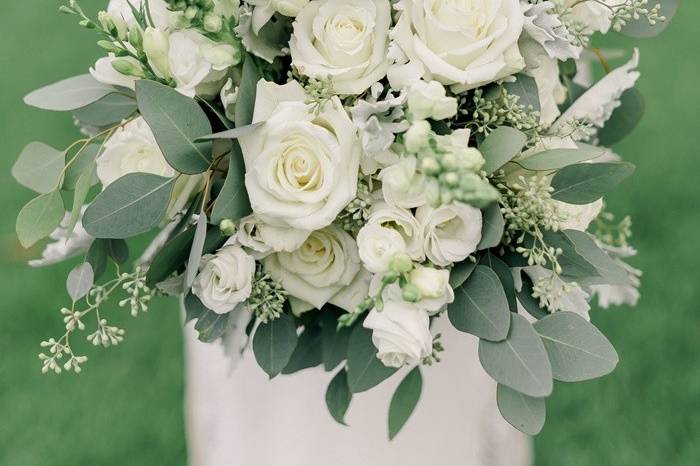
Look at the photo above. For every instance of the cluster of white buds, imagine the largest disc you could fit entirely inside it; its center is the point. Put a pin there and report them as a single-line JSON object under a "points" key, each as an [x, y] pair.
{"points": [[57, 351], [139, 293]]}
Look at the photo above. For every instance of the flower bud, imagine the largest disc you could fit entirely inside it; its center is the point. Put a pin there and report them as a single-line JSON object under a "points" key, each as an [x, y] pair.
{"points": [[135, 36], [431, 282], [157, 45], [430, 166], [113, 24], [401, 263], [128, 68], [417, 136], [227, 227], [411, 293], [213, 23]]}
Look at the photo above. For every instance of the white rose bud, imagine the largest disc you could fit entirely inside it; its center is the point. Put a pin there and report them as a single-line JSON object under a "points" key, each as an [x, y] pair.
{"points": [[156, 44], [225, 279], [401, 333], [429, 100], [378, 246], [431, 282], [104, 71], [417, 136]]}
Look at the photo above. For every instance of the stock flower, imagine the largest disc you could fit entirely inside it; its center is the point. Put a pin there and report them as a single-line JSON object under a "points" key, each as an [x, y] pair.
{"points": [[225, 279], [401, 333], [344, 40], [401, 185], [428, 100], [465, 43], [452, 232], [301, 168]]}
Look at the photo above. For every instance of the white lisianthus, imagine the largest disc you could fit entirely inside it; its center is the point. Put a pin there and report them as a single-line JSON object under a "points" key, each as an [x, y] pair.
{"points": [[378, 245], [225, 279], [132, 149], [464, 43], [578, 217], [104, 71], [301, 167], [403, 221], [198, 65], [319, 269], [452, 232], [401, 333], [264, 239], [402, 186], [344, 40], [430, 100], [158, 11]]}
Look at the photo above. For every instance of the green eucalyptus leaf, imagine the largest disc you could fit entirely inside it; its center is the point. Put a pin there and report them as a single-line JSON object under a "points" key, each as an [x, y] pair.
{"points": [[69, 94], [404, 401], [504, 275], [78, 165], [109, 110], [232, 202], [245, 104], [197, 249], [530, 303], [194, 309], [308, 352], [79, 281], [273, 344], [39, 218], [573, 264], [176, 121], [610, 271], [234, 133], [624, 118], [365, 370], [170, 258], [211, 326], [118, 251], [39, 167], [334, 341], [461, 272], [338, 396], [97, 256], [525, 413], [493, 225], [131, 205], [481, 306], [525, 87], [585, 183], [577, 350], [520, 361], [501, 146], [555, 159], [82, 188]]}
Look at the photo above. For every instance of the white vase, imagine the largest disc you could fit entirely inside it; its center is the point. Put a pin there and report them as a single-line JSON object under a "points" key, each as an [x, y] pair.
{"points": [[244, 419]]}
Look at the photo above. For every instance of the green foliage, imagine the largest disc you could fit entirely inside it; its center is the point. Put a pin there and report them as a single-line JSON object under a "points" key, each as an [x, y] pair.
{"points": [[624, 119], [308, 351], [404, 401], [555, 159], [177, 121], [197, 249], [274, 343], [247, 92], [79, 281], [525, 87], [587, 182], [501, 146], [334, 340], [338, 396], [39, 167], [520, 361], [82, 188], [170, 258], [39, 218], [132, 205], [493, 226], [481, 306], [505, 276], [69, 94], [525, 413], [109, 110], [365, 370], [461, 272], [233, 202]]}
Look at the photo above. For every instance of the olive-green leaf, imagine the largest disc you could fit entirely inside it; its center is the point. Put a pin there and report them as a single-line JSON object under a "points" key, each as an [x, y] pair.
{"points": [[232, 202], [577, 349], [500, 147], [520, 361], [555, 159], [338, 396], [404, 401], [624, 119], [334, 340], [365, 370], [525, 87], [170, 258], [585, 183], [461, 272], [39, 167], [82, 188], [69, 94], [78, 163], [39, 218], [177, 121], [308, 352], [525, 413], [493, 225], [504, 274], [197, 249], [132, 205], [109, 110], [274, 343], [608, 271], [234, 133], [481, 306], [245, 104]]}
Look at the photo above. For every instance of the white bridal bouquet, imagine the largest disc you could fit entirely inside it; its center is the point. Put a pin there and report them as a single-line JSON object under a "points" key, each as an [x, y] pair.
{"points": [[319, 180]]}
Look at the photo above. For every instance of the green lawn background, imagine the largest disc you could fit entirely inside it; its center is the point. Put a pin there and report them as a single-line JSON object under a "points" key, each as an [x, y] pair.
{"points": [[125, 409]]}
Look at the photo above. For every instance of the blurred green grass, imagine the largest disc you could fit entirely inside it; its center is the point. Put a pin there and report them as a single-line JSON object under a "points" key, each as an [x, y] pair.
{"points": [[126, 408]]}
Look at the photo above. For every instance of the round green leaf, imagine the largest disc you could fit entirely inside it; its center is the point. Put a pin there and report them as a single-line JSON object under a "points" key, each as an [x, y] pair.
{"points": [[585, 183], [501, 146], [624, 119], [109, 110], [404, 401], [525, 413], [274, 343], [577, 349], [132, 205], [520, 361], [80, 280], [308, 352], [559, 158], [39, 167], [493, 225], [69, 94], [481, 306], [39, 218], [365, 370]]}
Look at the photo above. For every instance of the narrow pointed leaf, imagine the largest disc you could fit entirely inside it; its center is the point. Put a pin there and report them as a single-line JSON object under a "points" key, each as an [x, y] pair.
{"points": [[404, 401], [493, 225], [69, 94], [274, 343], [82, 188], [247, 91], [308, 351], [232, 203], [197, 249], [338, 396], [365, 370], [525, 413], [234, 133]]}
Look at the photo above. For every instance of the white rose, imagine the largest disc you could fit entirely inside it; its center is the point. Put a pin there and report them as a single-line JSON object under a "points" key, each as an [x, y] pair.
{"points": [[225, 279], [404, 222], [578, 217], [132, 149], [401, 333], [429, 100], [321, 267], [158, 8], [465, 43], [198, 64], [345, 40], [452, 232], [402, 186], [104, 72], [264, 239], [301, 167], [378, 245]]}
